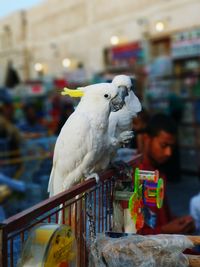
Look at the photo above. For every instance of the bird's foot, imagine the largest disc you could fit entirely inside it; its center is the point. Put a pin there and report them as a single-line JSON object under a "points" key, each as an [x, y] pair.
{"points": [[125, 137], [93, 175]]}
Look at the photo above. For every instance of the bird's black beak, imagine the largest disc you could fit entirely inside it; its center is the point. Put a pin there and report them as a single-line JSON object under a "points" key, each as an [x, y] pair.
{"points": [[123, 92], [133, 80]]}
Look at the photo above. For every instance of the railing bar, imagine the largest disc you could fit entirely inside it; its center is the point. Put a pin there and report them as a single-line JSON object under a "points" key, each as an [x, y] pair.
{"points": [[99, 210], [109, 203], [109, 207], [101, 213], [80, 232], [75, 219], [56, 214], [94, 207], [63, 213], [84, 234], [22, 236], [3, 246], [35, 223], [18, 233], [102, 206], [106, 206], [11, 252], [112, 187], [69, 215]]}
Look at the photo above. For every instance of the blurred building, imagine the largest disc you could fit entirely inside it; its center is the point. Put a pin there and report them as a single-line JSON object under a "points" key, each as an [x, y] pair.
{"points": [[57, 37]]}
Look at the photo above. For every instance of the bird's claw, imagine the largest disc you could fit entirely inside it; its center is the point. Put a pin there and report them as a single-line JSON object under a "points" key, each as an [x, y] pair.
{"points": [[126, 136], [93, 175]]}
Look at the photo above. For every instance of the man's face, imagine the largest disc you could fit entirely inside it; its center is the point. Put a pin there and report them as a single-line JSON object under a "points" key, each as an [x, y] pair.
{"points": [[161, 147]]}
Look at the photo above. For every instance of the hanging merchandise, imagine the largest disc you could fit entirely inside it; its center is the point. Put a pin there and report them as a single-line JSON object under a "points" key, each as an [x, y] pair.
{"points": [[49, 245]]}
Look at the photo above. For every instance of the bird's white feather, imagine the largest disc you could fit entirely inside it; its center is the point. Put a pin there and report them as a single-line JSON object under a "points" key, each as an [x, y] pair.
{"points": [[120, 122], [83, 138]]}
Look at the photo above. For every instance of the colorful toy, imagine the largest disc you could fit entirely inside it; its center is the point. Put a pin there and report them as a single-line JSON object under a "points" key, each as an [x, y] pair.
{"points": [[148, 191]]}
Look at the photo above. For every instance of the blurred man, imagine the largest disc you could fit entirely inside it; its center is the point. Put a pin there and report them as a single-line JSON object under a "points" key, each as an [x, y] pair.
{"points": [[159, 141], [10, 138], [31, 126]]}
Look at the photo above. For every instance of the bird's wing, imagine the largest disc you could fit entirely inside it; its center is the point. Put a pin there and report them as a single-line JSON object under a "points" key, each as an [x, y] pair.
{"points": [[71, 146], [122, 119], [119, 122], [132, 103], [113, 123]]}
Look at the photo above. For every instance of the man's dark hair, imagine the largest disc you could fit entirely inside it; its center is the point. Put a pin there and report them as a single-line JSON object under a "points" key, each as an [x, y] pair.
{"points": [[161, 122]]}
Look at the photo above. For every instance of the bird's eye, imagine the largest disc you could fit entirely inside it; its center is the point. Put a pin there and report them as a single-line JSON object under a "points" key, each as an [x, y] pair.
{"points": [[107, 96]]}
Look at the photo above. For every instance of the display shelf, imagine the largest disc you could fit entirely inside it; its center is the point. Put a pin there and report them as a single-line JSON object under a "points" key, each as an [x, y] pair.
{"points": [[183, 92], [174, 79]]}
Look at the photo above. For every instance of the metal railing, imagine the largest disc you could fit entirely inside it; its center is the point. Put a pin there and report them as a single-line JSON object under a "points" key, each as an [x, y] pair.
{"points": [[78, 200]]}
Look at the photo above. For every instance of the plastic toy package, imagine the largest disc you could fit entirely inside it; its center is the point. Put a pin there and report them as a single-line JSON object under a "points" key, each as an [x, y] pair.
{"points": [[139, 251]]}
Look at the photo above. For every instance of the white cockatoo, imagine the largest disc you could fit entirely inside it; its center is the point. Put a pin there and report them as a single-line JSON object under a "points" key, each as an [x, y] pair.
{"points": [[121, 121], [84, 137]]}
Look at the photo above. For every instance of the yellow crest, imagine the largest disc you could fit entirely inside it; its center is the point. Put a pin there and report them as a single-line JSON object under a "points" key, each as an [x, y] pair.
{"points": [[73, 92]]}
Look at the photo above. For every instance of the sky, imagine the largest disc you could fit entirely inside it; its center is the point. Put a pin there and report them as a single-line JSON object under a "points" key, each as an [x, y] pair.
{"points": [[9, 6]]}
